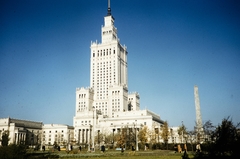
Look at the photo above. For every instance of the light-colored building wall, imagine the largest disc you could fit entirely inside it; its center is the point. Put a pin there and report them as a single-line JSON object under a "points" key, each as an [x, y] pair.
{"points": [[57, 133], [133, 101], [174, 137], [22, 131], [84, 99]]}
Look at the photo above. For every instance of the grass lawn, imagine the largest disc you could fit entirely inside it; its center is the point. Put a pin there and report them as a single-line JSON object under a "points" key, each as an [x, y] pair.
{"points": [[136, 157], [156, 154]]}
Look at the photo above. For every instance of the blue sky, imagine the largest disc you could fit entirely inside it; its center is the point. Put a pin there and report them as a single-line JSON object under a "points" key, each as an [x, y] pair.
{"points": [[172, 45]]}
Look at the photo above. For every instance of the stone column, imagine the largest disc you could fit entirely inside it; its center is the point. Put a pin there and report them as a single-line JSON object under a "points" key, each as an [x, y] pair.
{"points": [[16, 138], [79, 136], [24, 139], [87, 131], [83, 133], [20, 140]]}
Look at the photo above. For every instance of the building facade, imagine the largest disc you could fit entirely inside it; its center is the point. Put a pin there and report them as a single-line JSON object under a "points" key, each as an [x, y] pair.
{"points": [[107, 104], [32, 133], [21, 131], [57, 134]]}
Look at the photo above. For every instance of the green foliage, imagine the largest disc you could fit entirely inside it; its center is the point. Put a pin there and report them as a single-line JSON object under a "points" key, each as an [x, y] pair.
{"points": [[5, 138], [225, 141], [13, 152], [225, 138], [208, 127]]}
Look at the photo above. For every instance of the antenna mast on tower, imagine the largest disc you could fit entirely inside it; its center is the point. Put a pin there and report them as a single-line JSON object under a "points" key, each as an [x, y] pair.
{"points": [[109, 8]]}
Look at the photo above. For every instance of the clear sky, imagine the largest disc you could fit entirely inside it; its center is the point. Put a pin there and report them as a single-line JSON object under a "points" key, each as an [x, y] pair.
{"points": [[172, 45]]}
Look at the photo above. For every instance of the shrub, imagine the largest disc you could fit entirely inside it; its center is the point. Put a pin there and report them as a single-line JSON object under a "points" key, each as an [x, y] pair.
{"points": [[13, 152], [225, 141]]}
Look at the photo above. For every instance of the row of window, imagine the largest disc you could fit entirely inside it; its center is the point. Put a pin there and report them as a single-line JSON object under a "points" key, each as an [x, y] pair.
{"points": [[86, 122], [115, 92], [81, 109], [115, 110], [82, 95], [55, 131], [56, 139], [106, 32], [104, 52], [55, 135]]}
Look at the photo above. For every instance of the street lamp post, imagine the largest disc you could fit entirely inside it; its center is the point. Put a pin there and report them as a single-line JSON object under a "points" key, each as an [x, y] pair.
{"points": [[136, 137], [93, 130], [113, 137], [98, 138], [182, 132], [88, 138]]}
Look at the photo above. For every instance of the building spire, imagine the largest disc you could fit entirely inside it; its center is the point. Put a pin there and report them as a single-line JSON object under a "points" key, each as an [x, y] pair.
{"points": [[109, 8]]}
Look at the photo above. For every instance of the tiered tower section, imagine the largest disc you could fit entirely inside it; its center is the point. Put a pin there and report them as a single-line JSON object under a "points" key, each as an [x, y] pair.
{"points": [[108, 75]]}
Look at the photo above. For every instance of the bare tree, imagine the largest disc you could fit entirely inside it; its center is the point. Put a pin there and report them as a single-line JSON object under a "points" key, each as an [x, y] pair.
{"points": [[191, 137], [208, 129], [182, 132]]}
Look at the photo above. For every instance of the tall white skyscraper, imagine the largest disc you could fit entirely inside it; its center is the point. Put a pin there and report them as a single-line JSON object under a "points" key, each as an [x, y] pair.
{"points": [[107, 103], [108, 92], [109, 70]]}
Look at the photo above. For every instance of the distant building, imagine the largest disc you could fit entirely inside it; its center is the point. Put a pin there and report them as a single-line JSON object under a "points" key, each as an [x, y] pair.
{"points": [[107, 104], [34, 133], [174, 137], [21, 131], [57, 133]]}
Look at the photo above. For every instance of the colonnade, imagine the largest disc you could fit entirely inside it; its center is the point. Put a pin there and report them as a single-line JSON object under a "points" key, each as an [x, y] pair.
{"points": [[20, 138], [85, 135]]}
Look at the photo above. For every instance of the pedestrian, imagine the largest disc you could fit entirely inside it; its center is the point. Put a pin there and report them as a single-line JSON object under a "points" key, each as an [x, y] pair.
{"points": [[122, 150], [198, 148], [43, 147], [103, 148], [69, 147], [80, 148]]}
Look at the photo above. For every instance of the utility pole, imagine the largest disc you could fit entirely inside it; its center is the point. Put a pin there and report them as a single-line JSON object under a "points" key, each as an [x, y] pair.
{"points": [[93, 130]]}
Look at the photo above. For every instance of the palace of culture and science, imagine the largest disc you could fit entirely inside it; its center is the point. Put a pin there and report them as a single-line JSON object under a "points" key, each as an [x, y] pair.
{"points": [[107, 105], [104, 107]]}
